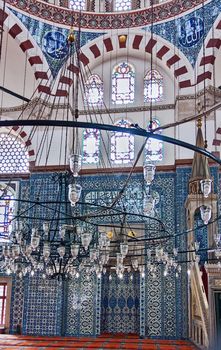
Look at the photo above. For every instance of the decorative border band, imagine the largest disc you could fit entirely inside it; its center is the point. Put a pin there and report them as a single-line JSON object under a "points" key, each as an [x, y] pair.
{"points": [[89, 20]]}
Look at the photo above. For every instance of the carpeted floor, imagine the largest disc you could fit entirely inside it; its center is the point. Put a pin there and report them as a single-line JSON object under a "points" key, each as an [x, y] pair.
{"points": [[107, 342]]}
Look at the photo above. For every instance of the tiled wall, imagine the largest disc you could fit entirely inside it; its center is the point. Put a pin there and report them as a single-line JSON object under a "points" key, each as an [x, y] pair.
{"points": [[120, 304], [81, 306], [46, 35], [156, 308], [160, 294], [181, 192], [17, 304], [42, 306], [186, 33]]}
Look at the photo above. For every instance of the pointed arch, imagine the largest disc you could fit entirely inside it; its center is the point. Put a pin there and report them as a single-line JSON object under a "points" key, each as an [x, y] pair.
{"points": [[27, 44], [14, 156]]}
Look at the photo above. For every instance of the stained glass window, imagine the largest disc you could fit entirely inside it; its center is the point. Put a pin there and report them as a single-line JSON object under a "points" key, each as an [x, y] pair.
{"points": [[91, 146], [77, 4], [7, 208], [123, 77], [154, 147], [122, 5], [94, 91], [153, 86], [122, 145], [13, 155]]}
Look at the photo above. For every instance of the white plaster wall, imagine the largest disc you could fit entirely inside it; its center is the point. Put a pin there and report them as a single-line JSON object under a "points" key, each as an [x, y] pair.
{"points": [[141, 62], [217, 69], [16, 74]]}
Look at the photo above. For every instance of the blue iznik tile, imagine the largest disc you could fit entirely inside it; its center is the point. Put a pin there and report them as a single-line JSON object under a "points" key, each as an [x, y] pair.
{"points": [[53, 40], [188, 32], [152, 307]]}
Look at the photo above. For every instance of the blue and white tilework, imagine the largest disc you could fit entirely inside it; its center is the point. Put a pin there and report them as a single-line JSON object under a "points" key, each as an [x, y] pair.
{"points": [[169, 306], [190, 30], [45, 187], [81, 306], [149, 307], [154, 305], [98, 306], [181, 193], [17, 300], [120, 304], [52, 40], [201, 234], [73, 308], [142, 303], [42, 306]]}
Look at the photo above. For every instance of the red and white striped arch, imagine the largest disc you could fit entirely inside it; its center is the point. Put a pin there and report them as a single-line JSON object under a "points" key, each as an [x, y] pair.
{"points": [[27, 44], [138, 43], [208, 53], [18, 130]]}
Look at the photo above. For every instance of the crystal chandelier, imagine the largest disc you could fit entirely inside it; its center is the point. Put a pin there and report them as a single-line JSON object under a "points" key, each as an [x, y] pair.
{"points": [[205, 212], [65, 245], [217, 240], [75, 164], [206, 186], [69, 246], [74, 193], [148, 205], [149, 173], [62, 254], [74, 251]]}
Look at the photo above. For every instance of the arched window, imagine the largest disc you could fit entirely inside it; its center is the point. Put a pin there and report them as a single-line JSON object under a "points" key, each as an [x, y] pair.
{"points": [[91, 146], [122, 145], [77, 4], [94, 91], [154, 147], [7, 208], [153, 86], [13, 155], [123, 77], [122, 5]]}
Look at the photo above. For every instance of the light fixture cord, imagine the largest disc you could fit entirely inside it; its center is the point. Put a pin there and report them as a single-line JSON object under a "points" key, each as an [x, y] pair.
{"points": [[151, 70], [76, 89], [1, 28], [204, 82]]}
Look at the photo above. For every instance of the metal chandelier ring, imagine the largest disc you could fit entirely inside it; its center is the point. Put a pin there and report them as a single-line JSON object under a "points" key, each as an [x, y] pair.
{"points": [[134, 130]]}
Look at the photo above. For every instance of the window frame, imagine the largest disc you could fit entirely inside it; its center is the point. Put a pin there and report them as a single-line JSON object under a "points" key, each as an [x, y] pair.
{"points": [[14, 189], [149, 142], [116, 160], [97, 152], [115, 95], [147, 84], [15, 138], [88, 86], [3, 298], [8, 282]]}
